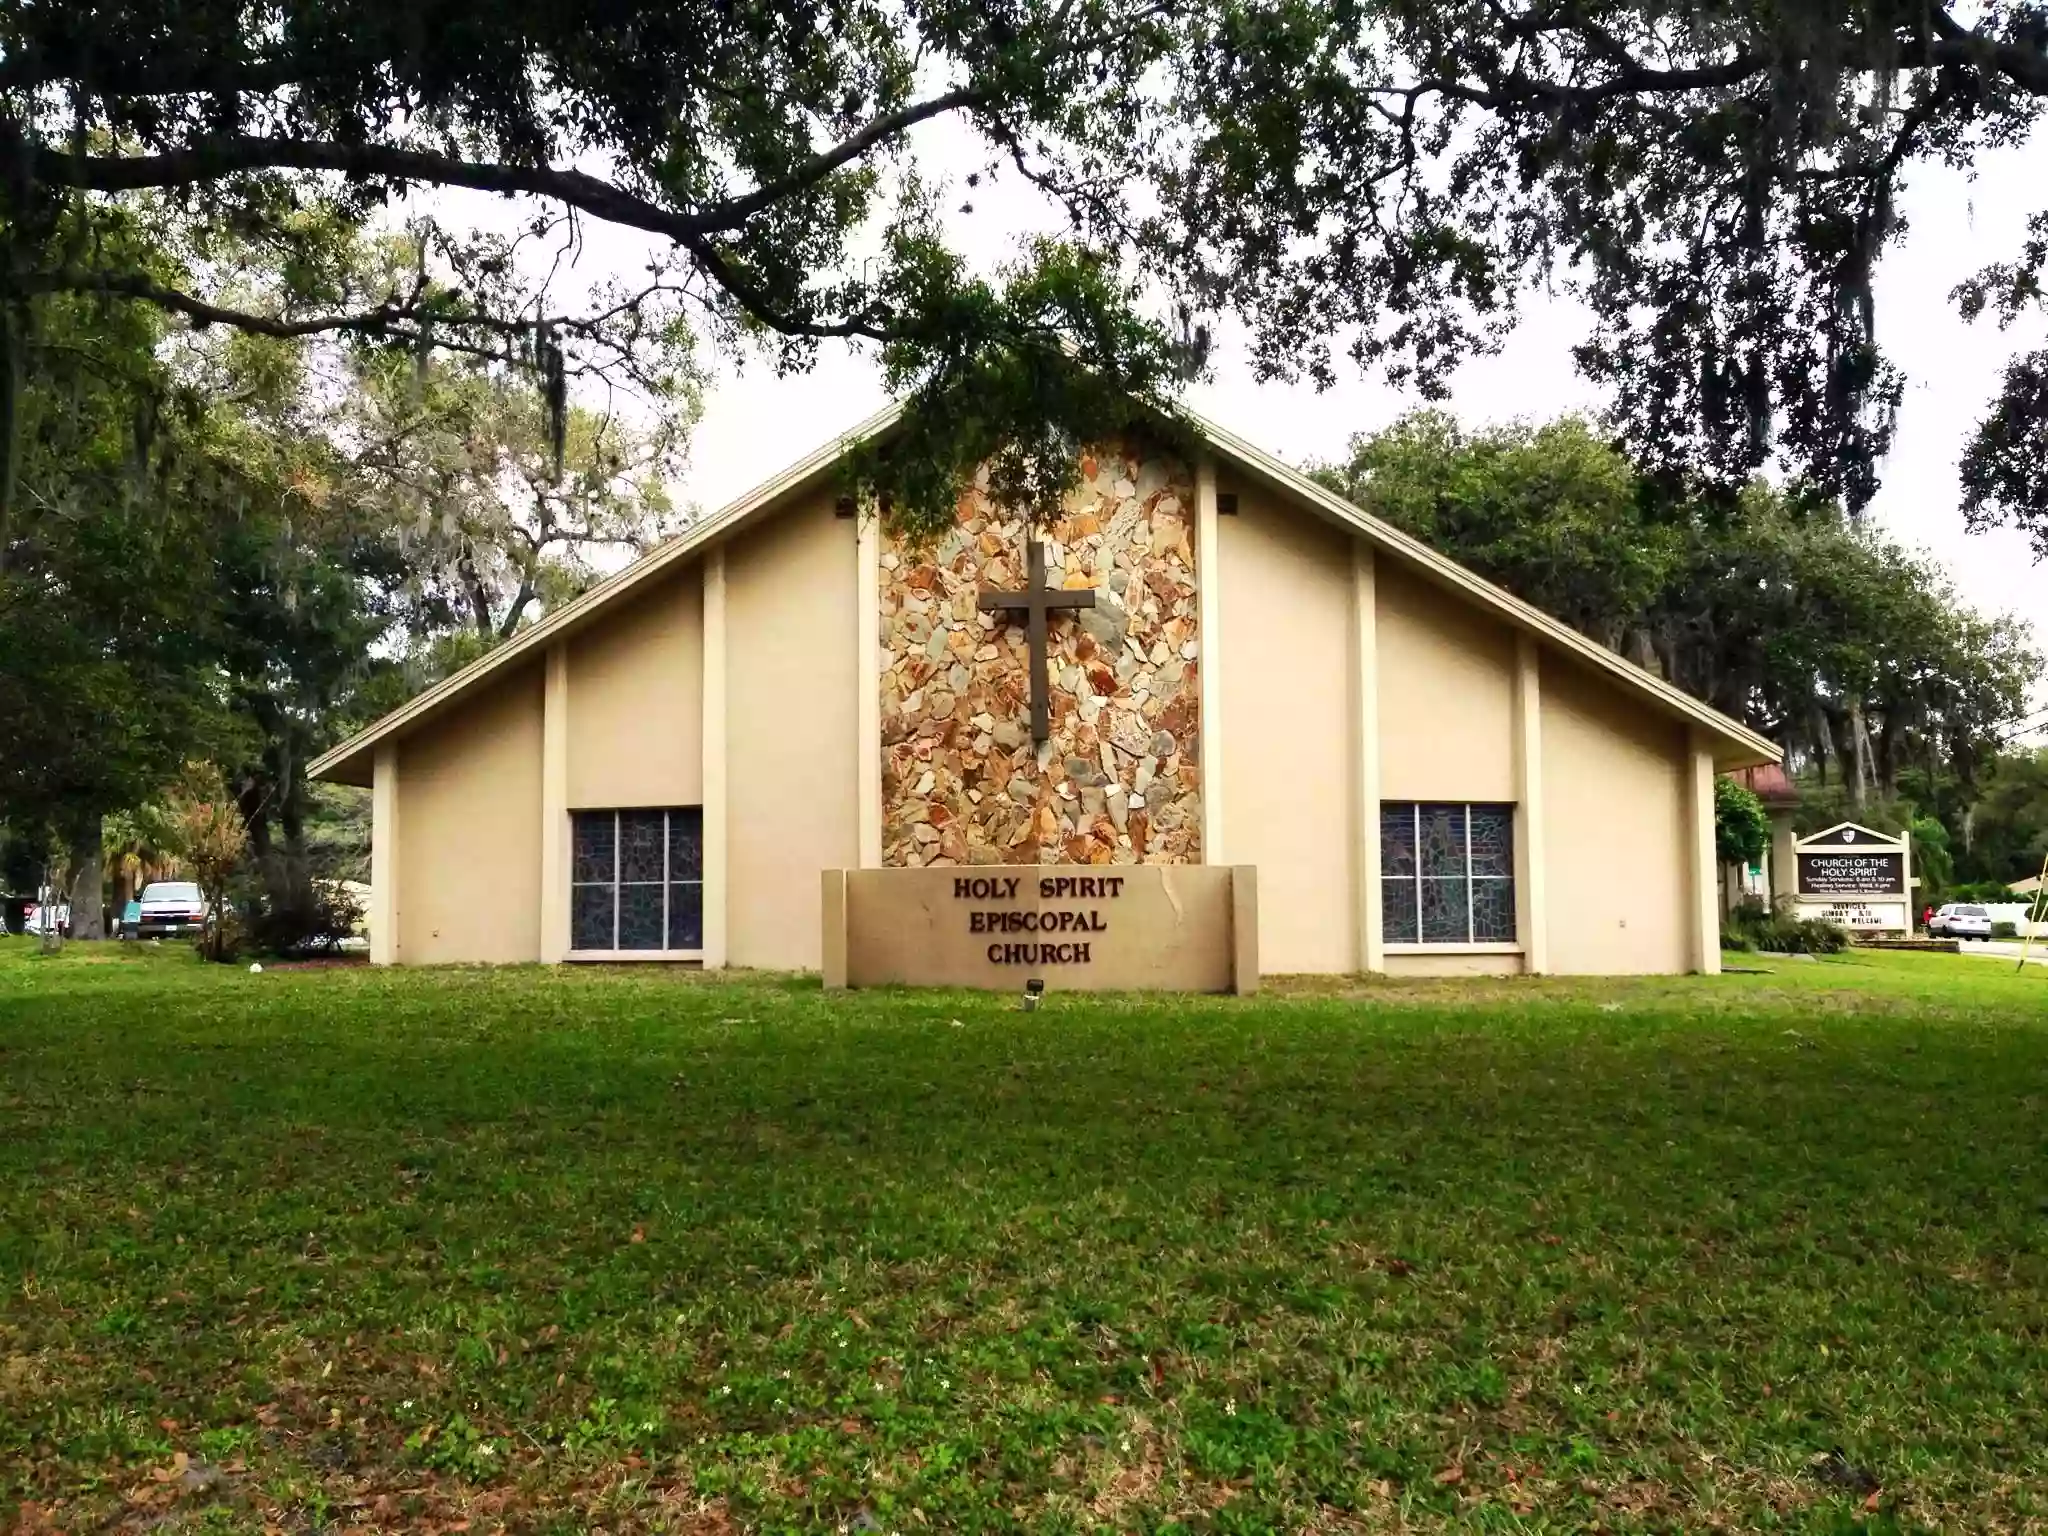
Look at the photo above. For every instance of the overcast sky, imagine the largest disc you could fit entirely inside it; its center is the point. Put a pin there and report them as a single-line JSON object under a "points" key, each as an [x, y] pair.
{"points": [[756, 423]]}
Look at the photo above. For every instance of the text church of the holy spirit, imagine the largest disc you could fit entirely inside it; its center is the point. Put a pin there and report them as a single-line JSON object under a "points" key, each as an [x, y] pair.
{"points": [[1212, 721]]}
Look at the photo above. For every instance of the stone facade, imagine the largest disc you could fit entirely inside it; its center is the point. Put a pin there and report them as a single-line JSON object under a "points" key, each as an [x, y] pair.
{"points": [[1120, 780]]}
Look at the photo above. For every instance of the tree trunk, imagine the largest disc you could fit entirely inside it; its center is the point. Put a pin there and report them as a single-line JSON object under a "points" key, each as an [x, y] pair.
{"points": [[1859, 748], [88, 882], [1823, 744]]}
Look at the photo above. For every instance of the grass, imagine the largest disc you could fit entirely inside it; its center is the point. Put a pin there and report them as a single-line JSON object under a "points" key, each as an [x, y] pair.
{"points": [[634, 1250]]}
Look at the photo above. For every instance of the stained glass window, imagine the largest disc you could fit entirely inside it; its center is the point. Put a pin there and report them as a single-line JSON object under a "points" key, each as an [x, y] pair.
{"points": [[1447, 873], [637, 880]]}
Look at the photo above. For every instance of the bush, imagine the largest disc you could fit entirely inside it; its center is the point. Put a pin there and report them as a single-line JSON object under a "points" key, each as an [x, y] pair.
{"points": [[1775, 930], [225, 937], [312, 918], [2005, 930]]}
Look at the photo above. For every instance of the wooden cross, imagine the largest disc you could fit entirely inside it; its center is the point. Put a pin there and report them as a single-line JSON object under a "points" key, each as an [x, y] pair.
{"points": [[1036, 600]]}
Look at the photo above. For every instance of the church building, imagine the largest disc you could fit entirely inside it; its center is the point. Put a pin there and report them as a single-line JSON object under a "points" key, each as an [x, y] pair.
{"points": [[1208, 659]]}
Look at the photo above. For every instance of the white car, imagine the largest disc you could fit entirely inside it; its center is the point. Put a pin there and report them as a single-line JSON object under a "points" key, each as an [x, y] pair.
{"points": [[1961, 920], [53, 918], [170, 907]]}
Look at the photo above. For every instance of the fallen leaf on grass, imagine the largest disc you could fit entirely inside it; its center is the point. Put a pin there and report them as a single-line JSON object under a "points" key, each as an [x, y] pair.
{"points": [[1451, 1475]]}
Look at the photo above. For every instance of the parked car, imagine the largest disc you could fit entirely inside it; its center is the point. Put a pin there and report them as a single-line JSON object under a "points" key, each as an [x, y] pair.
{"points": [[170, 907], [53, 917], [1961, 920]]}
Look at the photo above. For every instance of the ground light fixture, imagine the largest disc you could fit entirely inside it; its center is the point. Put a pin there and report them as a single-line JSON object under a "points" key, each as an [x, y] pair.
{"points": [[1034, 989]]}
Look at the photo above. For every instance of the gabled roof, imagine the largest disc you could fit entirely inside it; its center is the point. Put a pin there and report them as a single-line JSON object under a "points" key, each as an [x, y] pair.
{"points": [[1851, 834], [1735, 745]]}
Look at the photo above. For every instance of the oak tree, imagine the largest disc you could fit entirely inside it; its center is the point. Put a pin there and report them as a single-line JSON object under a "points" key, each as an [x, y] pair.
{"points": [[1718, 180]]}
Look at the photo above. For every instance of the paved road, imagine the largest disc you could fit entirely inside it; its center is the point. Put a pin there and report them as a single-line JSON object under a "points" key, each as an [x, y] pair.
{"points": [[2006, 949]]}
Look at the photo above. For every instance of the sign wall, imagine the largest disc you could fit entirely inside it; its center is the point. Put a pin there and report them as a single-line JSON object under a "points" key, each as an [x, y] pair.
{"points": [[1170, 927]]}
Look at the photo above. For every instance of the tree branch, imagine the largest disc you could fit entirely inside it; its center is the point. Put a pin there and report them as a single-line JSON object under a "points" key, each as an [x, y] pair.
{"points": [[110, 74], [1953, 45], [733, 212], [219, 158]]}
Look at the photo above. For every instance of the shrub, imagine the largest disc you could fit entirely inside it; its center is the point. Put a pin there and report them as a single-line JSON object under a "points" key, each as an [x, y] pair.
{"points": [[225, 936], [1775, 930], [310, 918], [211, 840], [2005, 930]]}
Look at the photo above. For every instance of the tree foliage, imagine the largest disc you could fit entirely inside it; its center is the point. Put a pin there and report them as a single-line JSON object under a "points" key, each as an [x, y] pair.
{"points": [[1384, 181], [103, 687], [1855, 653], [488, 510], [2005, 833], [1741, 829]]}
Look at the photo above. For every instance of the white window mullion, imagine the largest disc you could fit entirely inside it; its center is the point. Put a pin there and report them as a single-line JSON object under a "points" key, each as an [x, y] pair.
{"points": [[1469, 903], [1415, 843]]}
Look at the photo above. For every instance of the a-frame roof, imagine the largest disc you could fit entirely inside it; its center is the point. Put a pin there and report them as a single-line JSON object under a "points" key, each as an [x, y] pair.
{"points": [[1856, 834], [1734, 744]]}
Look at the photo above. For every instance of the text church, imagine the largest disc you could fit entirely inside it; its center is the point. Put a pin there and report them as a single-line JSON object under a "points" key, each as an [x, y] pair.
{"points": [[1092, 741]]}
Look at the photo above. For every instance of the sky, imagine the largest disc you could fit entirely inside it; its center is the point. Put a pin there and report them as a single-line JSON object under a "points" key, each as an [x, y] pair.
{"points": [[755, 423]]}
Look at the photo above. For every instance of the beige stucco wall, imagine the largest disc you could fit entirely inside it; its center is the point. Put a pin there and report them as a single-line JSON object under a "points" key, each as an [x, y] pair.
{"points": [[1451, 963], [1447, 719], [636, 700], [1287, 656], [793, 730], [469, 829], [1614, 829]]}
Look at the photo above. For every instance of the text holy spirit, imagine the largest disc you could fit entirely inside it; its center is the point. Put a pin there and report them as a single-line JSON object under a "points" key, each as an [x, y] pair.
{"points": [[1014, 920]]}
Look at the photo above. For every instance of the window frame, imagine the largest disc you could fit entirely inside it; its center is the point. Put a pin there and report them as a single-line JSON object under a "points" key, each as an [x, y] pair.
{"points": [[615, 885], [1513, 879]]}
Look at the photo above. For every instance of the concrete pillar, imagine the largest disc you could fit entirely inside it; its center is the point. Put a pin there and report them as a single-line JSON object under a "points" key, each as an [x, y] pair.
{"points": [[1532, 913], [1365, 736], [384, 855], [1705, 875], [1784, 863], [554, 808], [715, 829], [867, 648], [1244, 929], [1208, 601]]}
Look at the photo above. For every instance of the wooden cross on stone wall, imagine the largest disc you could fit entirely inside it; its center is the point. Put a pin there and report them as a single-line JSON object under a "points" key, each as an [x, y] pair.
{"points": [[1036, 601]]}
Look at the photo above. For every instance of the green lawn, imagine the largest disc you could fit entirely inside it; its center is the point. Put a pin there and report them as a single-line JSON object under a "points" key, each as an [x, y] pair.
{"points": [[634, 1250]]}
